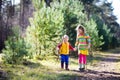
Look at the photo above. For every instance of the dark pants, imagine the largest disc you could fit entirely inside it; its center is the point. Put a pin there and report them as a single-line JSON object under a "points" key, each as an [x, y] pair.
{"points": [[64, 59]]}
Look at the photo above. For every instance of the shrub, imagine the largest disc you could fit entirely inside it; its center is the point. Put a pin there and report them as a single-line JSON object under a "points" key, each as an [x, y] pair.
{"points": [[15, 48], [45, 29]]}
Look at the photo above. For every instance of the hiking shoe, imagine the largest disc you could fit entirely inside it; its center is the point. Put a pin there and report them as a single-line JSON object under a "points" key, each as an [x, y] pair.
{"points": [[81, 69], [67, 69]]}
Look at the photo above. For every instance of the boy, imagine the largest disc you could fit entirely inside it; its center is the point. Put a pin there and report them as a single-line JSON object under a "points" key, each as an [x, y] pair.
{"points": [[64, 49]]}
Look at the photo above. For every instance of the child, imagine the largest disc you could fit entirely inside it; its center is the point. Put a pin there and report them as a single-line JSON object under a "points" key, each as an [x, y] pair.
{"points": [[64, 49], [82, 44]]}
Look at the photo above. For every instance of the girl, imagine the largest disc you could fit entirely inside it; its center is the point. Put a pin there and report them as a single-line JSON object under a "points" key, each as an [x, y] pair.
{"points": [[82, 44], [64, 49]]}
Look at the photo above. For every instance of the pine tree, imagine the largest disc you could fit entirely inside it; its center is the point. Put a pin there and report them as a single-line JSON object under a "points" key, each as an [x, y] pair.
{"points": [[46, 27]]}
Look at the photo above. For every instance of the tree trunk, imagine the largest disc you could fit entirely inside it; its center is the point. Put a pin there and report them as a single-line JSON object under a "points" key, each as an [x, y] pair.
{"points": [[1, 26], [25, 12]]}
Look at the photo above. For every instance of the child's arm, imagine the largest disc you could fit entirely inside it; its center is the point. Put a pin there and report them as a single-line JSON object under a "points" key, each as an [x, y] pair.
{"points": [[71, 48], [58, 48], [76, 44], [88, 41], [59, 45]]}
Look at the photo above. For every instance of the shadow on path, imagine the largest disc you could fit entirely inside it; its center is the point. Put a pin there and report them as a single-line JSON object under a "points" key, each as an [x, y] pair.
{"points": [[95, 75]]}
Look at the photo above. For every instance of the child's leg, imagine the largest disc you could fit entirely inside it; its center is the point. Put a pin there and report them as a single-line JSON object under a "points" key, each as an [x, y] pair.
{"points": [[82, 61], [62, 61], [66, 62]]}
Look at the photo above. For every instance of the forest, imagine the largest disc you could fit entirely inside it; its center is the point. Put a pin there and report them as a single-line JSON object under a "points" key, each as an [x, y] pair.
{"points": [[31, 30]]}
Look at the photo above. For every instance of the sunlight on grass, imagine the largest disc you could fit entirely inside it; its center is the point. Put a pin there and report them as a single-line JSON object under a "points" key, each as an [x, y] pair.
{"points": [[55, 65], [39, 70], [49, 69], [117, 67], [74, 64], [42, 70], [1, 56]]}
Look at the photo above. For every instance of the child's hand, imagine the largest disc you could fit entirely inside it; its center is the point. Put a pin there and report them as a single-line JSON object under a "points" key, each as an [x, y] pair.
{"points": [[57, 48], [59, 56], [88, 47], [75, 49]]}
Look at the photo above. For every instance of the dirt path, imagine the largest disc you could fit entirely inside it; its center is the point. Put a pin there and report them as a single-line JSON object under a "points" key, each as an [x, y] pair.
{"points": [[108, 67], [103, 66]]}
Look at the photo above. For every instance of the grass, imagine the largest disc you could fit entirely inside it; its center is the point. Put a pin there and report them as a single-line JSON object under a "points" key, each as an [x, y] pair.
{"points": [[118, 66], [38, 70], [48, 69], [41, 70]]}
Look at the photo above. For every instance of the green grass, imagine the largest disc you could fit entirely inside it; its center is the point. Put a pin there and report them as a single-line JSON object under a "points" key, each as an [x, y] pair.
{"points": [[118, 66], [48, 69], [37, 70]]}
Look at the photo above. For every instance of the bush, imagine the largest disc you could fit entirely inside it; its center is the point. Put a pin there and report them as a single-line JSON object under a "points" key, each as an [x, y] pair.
{"points": [[103, 31], [45, 29], [91, 28], [15, 48]]}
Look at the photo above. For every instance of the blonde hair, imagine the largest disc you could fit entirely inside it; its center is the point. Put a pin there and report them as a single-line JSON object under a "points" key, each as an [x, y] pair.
{"points": [[65, 36]]}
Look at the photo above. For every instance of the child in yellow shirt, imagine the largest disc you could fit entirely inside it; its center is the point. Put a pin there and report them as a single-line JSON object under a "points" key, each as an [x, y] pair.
{"points": [[64, 49]]}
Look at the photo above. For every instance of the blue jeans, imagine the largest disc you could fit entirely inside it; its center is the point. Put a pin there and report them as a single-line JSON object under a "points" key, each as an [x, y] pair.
{"points": [[64, 58]]}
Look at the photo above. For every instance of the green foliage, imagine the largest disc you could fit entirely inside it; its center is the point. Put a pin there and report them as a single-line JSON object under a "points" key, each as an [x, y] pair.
{"points": [[91, 28], [45, 29], [15, 48], [103, 31], [107, 37], [72, 10], [50, 23], [73, 16], [106, 21]]}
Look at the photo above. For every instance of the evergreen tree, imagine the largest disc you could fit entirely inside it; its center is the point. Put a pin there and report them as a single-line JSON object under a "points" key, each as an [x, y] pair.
{"points": [[102, 12], [15, 48], [51, 22], [46, 27]]}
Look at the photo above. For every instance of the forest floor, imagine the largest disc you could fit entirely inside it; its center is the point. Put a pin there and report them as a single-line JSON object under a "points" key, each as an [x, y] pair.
{"points": [[101, 66]]}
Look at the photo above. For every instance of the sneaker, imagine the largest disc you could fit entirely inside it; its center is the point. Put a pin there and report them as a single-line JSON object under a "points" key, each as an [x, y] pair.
{"points": [[81, 69], [67, 69]]}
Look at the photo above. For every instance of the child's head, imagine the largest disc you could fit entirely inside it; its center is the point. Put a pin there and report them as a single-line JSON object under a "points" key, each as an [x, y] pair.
{"points": [[65, 38], [80, 29]]}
